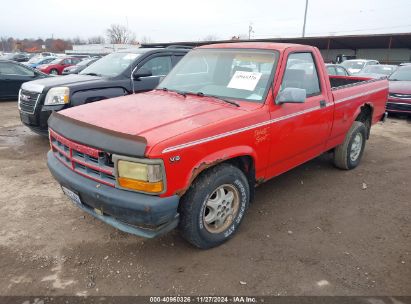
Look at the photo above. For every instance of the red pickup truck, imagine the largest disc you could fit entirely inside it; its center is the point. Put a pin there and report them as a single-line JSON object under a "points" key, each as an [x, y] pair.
{"points": [[190, 153]]}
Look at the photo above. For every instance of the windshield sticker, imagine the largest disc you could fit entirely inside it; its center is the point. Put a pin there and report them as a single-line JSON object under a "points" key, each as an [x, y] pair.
{"points": [[243, 80]]}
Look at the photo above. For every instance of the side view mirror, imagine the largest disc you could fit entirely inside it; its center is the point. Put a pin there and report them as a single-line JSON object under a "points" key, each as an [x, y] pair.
{"points": [[291, 95], [142, 73]]}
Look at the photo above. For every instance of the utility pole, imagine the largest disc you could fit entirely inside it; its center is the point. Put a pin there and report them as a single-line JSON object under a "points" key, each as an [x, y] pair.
{"points": [[250, 30], [305, 17]]}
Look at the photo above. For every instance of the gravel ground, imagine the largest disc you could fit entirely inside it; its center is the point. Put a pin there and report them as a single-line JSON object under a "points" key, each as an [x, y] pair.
{"points": [[315, 230]]}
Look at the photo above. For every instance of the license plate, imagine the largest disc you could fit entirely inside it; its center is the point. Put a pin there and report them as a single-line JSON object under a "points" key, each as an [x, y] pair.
{"points": [[25, 119], [71, 195]]}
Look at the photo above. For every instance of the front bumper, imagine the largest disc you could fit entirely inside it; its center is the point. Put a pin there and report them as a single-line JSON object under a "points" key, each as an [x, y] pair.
{"points": [[399, 106], [140, 214], [37, 121]]}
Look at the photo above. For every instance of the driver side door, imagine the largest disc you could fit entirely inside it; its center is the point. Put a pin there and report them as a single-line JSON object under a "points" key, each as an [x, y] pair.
{"points": [[299, 130], [153, 69]]}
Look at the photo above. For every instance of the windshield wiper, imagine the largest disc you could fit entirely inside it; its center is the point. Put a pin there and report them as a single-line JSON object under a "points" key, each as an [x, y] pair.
{"points": [[175, 91], [201, 94], [216, 97]]}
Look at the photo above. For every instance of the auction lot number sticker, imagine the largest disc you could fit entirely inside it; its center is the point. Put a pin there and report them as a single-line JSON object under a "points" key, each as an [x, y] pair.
{"points": [[243, 80]]}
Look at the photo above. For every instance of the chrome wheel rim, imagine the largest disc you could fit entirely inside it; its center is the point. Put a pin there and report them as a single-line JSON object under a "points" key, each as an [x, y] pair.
{"points": [[221, 208], [53, 72], [356, 147]]}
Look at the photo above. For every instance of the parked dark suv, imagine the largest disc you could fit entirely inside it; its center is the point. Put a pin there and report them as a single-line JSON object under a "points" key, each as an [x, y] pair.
{"points": [[116, 74]]}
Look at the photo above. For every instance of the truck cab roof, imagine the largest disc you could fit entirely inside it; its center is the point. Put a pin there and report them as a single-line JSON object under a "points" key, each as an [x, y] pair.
{"points": [[255, 45]]}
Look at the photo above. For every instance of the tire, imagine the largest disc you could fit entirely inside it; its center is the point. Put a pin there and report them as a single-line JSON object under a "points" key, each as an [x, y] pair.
{"points": [[54, 72], [213, 208], [348, 155]]}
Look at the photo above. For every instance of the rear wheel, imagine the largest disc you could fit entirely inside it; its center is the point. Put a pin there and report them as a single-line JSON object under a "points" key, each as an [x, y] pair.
{"points": [[214, 206], [54, 72], [348, 155]]}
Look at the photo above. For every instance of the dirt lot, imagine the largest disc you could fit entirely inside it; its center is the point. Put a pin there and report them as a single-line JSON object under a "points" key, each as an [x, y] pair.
{"points": [[313, 231]]}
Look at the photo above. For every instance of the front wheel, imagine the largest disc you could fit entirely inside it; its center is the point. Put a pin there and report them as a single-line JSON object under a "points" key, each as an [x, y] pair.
{"points": [[54, 72], [348, 155], [214, 206]]}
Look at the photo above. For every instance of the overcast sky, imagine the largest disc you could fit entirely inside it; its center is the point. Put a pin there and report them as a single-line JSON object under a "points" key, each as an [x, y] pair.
{"points": [[191, 20]]}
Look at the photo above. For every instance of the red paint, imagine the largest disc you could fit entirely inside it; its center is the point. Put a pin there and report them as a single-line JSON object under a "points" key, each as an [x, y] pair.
{"points": [[278, 143]]}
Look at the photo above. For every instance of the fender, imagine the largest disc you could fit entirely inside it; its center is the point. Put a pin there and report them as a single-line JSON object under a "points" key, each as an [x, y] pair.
{"points": [[215, 159], [87, 96]]}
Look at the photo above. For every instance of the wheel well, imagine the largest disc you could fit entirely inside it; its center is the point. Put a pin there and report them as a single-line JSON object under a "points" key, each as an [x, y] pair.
{"points": [[246, 165], [365, 117]]}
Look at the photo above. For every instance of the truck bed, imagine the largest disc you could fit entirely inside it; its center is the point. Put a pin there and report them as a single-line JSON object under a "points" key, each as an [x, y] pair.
{"points": [[342, 81], [349, 93]]}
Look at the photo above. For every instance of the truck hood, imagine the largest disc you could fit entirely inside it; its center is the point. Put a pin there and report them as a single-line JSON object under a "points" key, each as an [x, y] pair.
{"points": [[155, 116], [401, 87], [40, 85]]}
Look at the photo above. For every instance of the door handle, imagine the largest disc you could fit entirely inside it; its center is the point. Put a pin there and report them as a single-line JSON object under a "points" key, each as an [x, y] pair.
{"points": [[322, 103]]}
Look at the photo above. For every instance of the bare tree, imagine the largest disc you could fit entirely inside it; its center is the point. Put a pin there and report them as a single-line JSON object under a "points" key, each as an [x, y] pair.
{"points": [[78, 41], [7, 44], [146, 39], [96, 40], [119, 34]]}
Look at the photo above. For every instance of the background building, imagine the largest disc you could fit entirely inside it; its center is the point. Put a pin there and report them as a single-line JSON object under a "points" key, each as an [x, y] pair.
{"points": [[387, 48]]}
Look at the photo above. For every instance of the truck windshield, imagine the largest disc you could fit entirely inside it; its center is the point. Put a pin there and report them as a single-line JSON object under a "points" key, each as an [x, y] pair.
{"points": [[224, 73], [111, 65]]}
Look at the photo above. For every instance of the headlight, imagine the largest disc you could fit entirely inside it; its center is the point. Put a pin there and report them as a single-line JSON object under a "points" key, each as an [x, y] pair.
{"points": [[57, 96], [140, 176]]}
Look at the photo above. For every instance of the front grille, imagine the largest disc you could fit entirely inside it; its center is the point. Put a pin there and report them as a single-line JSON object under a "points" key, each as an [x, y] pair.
{"points": [[84, 160], [400, 96], [396, 106], [28, 101]]}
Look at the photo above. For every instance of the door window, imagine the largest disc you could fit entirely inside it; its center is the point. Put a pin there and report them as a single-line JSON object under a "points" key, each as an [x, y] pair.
{"points": [[14, 69], [301, 73], [158, 66]]}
